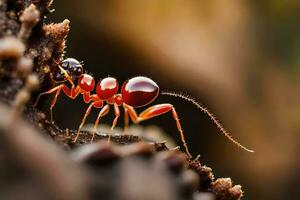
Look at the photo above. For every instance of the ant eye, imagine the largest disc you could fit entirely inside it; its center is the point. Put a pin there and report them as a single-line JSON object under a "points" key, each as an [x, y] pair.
{"points": [[107, 88]]}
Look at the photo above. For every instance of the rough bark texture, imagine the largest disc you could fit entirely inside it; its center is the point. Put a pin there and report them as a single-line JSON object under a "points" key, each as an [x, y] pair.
{"points": [[40, 162]]}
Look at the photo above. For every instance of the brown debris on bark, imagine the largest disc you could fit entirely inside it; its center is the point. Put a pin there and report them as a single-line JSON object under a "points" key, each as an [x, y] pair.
{"points": [[35, 167], [224, 189]]}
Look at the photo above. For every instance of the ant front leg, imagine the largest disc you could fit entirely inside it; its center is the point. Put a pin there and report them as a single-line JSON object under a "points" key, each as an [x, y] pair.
{"points": [[104, 111], [154, 111], [56, 89], [53, 104], [96, 104]]}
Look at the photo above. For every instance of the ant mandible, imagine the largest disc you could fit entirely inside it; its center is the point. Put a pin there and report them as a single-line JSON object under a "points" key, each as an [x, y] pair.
{"points": [[136, 92]]}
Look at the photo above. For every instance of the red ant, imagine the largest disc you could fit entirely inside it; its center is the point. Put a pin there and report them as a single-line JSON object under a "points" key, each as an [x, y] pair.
{"points": [[136, 92]]}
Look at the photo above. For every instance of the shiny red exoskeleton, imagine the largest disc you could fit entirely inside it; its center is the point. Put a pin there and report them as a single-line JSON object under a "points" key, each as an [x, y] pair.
{"points": [[136, 92]]}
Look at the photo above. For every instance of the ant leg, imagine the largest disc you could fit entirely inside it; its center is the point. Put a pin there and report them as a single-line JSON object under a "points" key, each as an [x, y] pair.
{"points": [[66, 90], [157, 110], [126, 120], [117, 115], [73, 93], [59, 87], [87, 112], [56, 89], [87, 97], [104, 111], [53, 104], [132, 114], [97, 104]]}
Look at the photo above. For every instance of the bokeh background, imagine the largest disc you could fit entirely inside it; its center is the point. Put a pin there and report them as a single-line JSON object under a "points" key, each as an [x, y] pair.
{"points": [[239, 58]]}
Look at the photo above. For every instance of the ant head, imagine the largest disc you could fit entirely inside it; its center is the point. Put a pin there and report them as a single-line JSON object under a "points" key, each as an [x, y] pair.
{"points": [[71, 66], [86, 82], [139, 91], [107, 88]]}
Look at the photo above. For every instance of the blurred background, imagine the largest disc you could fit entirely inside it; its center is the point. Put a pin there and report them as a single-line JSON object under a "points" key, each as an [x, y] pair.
{"points": [[241, 59]]}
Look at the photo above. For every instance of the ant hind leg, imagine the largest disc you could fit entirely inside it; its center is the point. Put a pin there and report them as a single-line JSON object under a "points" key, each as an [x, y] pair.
{"points": [[157, 110]]}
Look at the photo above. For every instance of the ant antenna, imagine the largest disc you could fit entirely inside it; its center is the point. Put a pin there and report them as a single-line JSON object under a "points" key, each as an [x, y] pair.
{"points": [[210, 115]]}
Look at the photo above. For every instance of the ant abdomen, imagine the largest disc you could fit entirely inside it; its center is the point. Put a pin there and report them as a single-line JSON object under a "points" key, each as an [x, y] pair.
{"points": [[139, 91]]}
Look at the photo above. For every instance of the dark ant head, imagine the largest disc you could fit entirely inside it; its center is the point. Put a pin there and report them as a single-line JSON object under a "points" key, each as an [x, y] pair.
{"points": [[107, 88], [71, 66], [139, 91]]}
